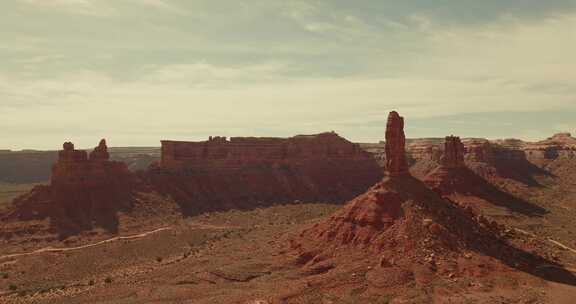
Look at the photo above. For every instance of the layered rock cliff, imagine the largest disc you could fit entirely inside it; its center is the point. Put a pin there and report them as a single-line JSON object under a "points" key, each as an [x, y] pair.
{"points": [[245, 172]]}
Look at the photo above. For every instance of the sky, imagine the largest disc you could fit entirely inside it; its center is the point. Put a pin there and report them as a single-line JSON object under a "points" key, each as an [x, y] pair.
{"points": [[139, 71]]}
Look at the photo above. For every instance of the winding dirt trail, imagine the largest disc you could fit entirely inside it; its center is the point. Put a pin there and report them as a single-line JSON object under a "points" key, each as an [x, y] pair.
{"points": [[114, 239], [118, 238], [554, 242]]}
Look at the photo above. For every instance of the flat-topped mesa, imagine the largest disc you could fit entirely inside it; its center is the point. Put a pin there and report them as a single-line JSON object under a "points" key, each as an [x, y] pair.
{"points": [[395, 145], [236, 152], [245, 171], [100, 153], [453, 156]]}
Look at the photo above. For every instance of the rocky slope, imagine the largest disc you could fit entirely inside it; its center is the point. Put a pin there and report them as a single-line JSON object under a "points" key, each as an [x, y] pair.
{"points": [[417, 234]]}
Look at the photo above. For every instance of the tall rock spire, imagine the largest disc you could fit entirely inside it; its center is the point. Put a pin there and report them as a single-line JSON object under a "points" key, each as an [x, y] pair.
{"points": [[395, 145]]}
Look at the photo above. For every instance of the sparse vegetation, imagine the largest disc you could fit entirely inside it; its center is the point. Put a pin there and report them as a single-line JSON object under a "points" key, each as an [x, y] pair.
{"points": [[12, 287], [108, 280]]}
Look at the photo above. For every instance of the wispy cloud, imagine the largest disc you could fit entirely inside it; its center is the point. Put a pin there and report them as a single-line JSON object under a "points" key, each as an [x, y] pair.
{"points": [[83, 7], [272, 67], [102, 8]]}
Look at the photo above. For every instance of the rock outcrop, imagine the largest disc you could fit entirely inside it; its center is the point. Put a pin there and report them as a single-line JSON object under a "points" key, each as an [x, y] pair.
{"points": [[244, 172], [402, 226], [84, 192], [453, 153], [100, 153], [369, 214], [396, 163], [447, 177], [483, 151]]}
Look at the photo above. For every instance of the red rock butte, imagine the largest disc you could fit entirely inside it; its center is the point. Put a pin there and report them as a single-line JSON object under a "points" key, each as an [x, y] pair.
{"points": [[84, 191], [239, 151], [247, 171], [453, 156], [450, 174]]}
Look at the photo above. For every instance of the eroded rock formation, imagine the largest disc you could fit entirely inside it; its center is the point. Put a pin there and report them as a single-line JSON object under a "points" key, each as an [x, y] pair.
{"points": [[453, 156], [100, 153], [449, 174], [369, 214], [407, 226], [84, 192], [395, 145], [248, 171]]}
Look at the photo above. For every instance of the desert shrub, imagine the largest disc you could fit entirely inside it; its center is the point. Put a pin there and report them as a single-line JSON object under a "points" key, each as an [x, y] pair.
{"points": [[108, 280], [13, 287]]}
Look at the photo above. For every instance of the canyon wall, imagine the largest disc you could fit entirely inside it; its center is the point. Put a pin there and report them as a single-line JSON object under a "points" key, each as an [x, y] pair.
{"points": [[249, 171]]}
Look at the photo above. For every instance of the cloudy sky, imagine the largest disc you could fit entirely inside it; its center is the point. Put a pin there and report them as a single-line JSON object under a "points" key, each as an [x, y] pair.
{"points": [[137, 71]]}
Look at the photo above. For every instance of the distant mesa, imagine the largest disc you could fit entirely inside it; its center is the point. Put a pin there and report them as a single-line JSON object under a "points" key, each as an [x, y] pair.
{"points": [[566, 136], [243, 172]]}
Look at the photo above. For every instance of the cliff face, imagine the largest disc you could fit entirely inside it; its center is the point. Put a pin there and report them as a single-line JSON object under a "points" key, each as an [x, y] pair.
{"points": [[245, 172], [84, 192]]}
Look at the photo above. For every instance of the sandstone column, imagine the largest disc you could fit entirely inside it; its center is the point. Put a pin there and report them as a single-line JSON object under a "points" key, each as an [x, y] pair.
{"points": [[395, 145]]}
